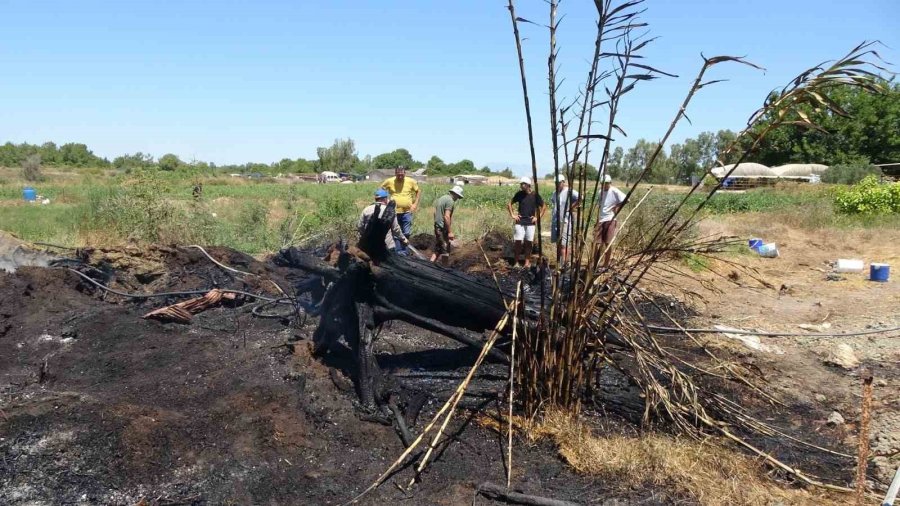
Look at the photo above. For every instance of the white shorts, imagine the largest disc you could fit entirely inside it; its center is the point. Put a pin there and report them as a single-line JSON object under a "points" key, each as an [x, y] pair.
{"points": [[567, 233], [523, 232]]}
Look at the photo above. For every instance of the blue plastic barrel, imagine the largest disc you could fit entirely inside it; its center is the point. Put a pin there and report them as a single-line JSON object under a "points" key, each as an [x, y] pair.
{"points": [[29, 194], [755, 244], [879, 272]]}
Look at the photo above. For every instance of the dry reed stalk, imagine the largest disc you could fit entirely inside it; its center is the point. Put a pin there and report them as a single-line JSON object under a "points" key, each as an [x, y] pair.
{"points": [[865, 418], [534, 170], [461, 389], [449, 404], [558, 357], [621, 226], [512, 378]]}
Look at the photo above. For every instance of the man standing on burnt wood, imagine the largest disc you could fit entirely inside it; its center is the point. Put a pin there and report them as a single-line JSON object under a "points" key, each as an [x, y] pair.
{"points": [[443, 218], [405, 193], [530, 208], [375, 211]]}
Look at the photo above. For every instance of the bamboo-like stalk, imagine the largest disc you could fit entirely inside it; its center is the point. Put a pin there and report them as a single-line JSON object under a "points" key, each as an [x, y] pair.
{"points": [[862, 458], [534, 170], [512, 377], [450, 404], [558, 357], [554, 133], [624, 222]]}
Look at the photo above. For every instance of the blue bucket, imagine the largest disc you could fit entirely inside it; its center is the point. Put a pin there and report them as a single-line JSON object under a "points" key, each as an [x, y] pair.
{"points": [[879, 272], [755, 243], [29, 194]]}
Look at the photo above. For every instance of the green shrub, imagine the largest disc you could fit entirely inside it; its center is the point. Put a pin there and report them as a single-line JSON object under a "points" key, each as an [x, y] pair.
{"points": [[869, 197], [336, 214], [137, 209], [850, 173], [252, 226]]}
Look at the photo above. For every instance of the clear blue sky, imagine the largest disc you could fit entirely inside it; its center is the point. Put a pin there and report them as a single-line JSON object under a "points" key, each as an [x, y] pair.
{"points": [[235, 81]]}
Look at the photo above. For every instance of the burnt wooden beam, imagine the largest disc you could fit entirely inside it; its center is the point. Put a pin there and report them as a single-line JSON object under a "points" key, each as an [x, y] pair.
{"points": [[494, 491], [385, 311]]}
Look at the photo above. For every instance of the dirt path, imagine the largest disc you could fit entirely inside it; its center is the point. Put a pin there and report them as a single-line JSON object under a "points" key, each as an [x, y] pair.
{"points": [[820, 374]]}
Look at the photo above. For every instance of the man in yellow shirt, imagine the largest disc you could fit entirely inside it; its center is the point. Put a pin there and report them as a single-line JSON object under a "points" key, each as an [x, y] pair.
{"points": [[405, 193]]}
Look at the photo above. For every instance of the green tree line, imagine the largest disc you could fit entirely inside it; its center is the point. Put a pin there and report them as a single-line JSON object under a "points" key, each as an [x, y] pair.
{"points": [[340, 157], [868, 134]]}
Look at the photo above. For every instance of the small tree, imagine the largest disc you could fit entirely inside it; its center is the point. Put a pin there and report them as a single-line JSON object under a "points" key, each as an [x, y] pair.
{"points": [[31, 168], [340, 157], [169, 162]]}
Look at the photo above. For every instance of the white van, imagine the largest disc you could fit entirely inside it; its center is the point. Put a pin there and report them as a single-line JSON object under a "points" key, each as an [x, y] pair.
{"points": [[329, 177]]}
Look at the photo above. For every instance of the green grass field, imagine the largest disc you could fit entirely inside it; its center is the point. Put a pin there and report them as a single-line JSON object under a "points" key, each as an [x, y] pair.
{"points": [[262, 216]]}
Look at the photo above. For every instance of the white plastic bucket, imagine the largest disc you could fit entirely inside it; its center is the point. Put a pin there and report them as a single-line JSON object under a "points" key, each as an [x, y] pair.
{"points": [[769, 250], [848, 265]]}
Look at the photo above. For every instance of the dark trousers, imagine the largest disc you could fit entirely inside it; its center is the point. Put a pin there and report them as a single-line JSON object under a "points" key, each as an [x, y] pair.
{"points": [[405, 220]]}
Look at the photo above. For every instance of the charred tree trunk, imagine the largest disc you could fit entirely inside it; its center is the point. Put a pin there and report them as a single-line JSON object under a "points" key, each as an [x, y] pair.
{"points": [[370, 285]]}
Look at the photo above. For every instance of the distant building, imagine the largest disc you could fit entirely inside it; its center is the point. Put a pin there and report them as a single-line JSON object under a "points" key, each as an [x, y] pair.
{"points": [[751, 175], [469, 179], [380, 174], [800, 170], [501, 181]]}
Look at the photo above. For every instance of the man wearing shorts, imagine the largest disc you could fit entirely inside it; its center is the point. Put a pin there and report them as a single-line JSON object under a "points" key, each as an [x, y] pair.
{"points": [[610, 202], [443, 218], [564, 201], [530, 207]]}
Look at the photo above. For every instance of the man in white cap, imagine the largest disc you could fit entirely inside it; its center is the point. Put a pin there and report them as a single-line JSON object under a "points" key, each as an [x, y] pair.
{"points": [[443, 219], [530, 208], [610, 202], [564, 201]]}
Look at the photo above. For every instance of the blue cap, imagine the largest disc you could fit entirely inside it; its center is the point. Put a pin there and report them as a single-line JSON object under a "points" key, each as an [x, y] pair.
{"points": [[381, 193]]}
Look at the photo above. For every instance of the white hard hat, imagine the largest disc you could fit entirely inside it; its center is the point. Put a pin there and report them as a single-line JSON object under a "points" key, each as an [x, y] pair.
{"points": [[525, 180], [560, 178], [457, 190], [607, 178]]}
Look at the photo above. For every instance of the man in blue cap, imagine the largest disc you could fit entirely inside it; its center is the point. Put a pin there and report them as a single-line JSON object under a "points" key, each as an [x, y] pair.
{"points": [[375, 209]]}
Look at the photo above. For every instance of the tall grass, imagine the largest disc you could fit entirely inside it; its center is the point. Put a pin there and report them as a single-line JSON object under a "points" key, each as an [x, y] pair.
{"points": [[698, 472], [265, 216]]}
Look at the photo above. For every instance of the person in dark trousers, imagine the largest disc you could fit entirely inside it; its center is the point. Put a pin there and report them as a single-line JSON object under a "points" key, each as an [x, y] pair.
{"points": [[443, 219], [530, 207], [405, 193]]}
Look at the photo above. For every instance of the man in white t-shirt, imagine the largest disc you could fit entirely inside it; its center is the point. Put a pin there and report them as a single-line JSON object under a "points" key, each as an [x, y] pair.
{"points": [[610, 202], [564, 200]]}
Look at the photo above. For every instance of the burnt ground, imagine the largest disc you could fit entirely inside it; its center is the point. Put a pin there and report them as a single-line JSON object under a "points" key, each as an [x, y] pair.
{"points": [[99, 406]]}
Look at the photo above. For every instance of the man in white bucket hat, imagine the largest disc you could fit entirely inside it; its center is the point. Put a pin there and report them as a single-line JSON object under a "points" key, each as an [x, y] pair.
{"points": [[530, 208], [443, 219]]}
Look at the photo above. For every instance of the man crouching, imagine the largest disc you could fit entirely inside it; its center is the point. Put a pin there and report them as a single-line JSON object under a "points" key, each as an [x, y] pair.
{"points": [[376, 211], [443, 218]]}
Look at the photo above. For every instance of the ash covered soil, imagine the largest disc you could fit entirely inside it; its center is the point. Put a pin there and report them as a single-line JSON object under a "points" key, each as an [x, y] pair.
{"points": [[99, 406]]}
